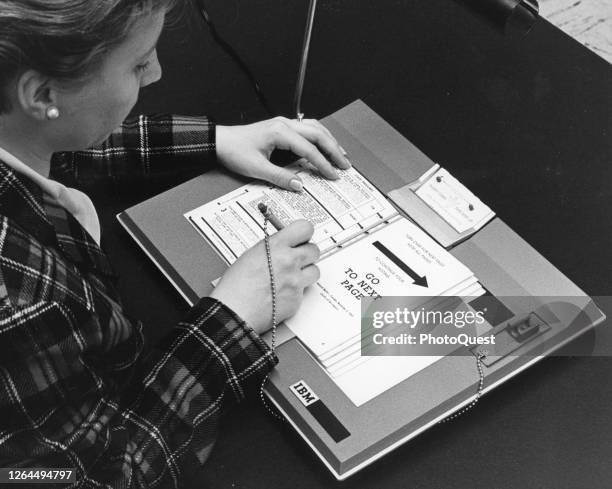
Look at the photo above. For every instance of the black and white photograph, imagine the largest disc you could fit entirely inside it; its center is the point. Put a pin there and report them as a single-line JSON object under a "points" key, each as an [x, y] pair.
{"points": [[306, 244]]}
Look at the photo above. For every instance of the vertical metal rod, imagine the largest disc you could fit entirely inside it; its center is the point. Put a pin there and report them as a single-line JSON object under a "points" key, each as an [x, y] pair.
{"points": [[532, 5], [299, 88]]}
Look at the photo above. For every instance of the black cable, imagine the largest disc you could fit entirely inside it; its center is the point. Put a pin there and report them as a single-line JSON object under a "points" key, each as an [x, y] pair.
{"points": [[201, 7]]}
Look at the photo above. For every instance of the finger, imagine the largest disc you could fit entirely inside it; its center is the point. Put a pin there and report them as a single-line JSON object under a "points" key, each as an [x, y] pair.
{"points": [[312, 122], [316, 123], [310, 275], [328, 132], [296, 233], [281, 177], [307, 254], [317, 135], [288, 138]]}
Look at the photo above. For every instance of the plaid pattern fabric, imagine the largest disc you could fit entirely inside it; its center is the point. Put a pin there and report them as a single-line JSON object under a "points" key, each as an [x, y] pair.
{"points": [[74, 389], [141, 148]]}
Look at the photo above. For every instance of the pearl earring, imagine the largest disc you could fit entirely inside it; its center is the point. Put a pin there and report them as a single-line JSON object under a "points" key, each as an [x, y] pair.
{"points": [[52, 113]]}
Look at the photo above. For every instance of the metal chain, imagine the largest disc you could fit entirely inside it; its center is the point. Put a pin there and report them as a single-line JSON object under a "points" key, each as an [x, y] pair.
{"points": [[481, 354], [262, 396]]}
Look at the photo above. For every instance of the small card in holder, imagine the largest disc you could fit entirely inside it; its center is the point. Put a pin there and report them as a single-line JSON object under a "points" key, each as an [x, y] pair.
{"points": [[452, 201], [442, 206]]}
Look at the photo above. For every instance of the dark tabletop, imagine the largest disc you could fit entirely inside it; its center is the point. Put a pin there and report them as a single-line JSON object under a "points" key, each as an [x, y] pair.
{"points": [[525, 123]]}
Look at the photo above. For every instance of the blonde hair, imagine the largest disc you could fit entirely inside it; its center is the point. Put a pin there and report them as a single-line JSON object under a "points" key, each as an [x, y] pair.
{"points": [[64, 39]]}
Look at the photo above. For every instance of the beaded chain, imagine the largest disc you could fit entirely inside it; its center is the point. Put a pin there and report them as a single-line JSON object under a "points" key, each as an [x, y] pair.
{"points": [[481, 354], [262, 396]]}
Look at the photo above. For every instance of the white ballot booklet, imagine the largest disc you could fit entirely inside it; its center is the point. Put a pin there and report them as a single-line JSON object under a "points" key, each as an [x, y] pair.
{"points": [[339, 210], [368, 250]]}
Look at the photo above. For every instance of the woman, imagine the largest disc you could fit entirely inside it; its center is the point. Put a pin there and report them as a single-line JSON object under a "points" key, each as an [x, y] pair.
{"points": [[74, 389]]}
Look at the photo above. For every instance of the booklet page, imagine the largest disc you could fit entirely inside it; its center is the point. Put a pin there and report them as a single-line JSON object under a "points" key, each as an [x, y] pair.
{"points": [[397, 259], [339, 209]]}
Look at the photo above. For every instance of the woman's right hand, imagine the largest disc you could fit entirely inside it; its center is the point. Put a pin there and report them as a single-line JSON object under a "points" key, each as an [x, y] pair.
{"points": [[245, 286]]}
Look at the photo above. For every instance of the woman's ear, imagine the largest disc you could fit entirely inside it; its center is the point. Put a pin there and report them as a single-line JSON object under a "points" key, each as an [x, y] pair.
{"points": [[34, 94]]}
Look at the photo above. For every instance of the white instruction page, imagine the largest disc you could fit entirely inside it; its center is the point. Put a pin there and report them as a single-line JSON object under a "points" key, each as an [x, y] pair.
{"points": [[398, 259]]}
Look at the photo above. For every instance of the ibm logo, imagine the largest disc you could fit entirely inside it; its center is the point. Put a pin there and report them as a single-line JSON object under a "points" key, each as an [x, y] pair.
{"points": [[304, 393]]}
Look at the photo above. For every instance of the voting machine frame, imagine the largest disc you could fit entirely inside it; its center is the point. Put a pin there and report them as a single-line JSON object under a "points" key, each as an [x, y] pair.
{"points": [[346, 437]]}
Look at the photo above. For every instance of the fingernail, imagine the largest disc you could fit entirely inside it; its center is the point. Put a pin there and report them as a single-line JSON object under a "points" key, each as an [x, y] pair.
{"points": [[348, 162], [296, 185], [343, 151]]}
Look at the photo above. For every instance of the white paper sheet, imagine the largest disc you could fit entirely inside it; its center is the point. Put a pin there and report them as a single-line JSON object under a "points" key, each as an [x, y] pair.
{"points": [[379, 374], [330, 314]]}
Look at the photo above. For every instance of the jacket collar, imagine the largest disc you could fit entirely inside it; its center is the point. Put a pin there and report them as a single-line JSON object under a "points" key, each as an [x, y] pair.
{"points": [[22, 201]]}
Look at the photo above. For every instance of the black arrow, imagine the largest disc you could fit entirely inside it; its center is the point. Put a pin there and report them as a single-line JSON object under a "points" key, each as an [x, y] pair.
{"points": [[417, 279]]}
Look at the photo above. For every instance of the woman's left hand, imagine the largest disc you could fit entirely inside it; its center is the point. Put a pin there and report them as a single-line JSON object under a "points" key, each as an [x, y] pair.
{"points": [[246, 150]]}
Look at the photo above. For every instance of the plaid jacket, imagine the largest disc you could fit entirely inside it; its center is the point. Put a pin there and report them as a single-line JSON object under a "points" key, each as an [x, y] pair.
{"points": [[74, 389]]}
